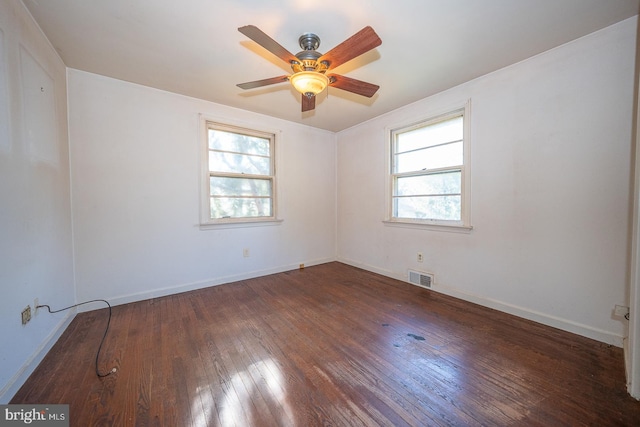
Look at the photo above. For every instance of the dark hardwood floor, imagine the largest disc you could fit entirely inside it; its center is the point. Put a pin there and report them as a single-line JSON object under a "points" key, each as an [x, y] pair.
{"points": [[329, 345]]}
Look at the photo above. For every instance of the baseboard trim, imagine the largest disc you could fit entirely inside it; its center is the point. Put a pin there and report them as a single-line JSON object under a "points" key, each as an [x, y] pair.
{"points": [[14, 384], [186, 287], [523, 312]]}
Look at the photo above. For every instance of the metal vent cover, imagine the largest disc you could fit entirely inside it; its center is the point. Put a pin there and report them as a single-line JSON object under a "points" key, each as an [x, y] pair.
{"points": [[420, 279]]}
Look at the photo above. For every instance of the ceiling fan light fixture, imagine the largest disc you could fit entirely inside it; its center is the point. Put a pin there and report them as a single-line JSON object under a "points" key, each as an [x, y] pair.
{"points": [[309, 82]]}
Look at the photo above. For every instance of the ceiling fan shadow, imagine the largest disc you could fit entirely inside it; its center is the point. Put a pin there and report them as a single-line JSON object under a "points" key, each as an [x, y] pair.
{"points": [[265, 54], [353, 97], [266, 89], [361, 61]]}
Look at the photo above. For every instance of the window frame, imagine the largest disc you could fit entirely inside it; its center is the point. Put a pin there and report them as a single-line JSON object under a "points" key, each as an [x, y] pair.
{"points": [[464, 224], [206, 221]]}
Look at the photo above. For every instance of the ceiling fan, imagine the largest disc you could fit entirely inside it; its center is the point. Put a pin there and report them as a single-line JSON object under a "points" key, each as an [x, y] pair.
{"points": [[310, 66]]}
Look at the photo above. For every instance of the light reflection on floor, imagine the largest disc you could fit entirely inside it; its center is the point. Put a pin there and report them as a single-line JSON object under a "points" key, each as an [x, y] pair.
{"points": [[236, 399]]}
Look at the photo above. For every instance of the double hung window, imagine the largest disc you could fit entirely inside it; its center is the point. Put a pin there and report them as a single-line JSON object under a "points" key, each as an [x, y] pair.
{"points": [[429, 181], [240, 175]]}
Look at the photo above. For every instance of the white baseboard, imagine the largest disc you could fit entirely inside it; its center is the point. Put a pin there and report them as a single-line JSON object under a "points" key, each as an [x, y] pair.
{"points": [[526, 313], [543, 318], [185, 287], [14, 384]]}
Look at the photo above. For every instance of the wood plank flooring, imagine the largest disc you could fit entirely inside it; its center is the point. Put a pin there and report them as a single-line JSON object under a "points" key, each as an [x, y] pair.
{"points": [[329, 345]]}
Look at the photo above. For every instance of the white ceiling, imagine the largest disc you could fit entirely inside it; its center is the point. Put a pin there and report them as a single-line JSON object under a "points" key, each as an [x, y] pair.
{"points": [[192, 47]]}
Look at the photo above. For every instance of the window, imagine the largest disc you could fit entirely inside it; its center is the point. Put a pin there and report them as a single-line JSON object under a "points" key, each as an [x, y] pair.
{"points": [[429, 179], [239, 179]]}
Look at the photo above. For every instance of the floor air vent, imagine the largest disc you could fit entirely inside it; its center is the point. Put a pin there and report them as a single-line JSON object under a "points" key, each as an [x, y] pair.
{"points": [[421, 279]]}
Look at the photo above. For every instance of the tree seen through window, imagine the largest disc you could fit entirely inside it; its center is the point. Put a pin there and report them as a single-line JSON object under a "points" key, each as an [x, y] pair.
{"points": [[241, 173]]}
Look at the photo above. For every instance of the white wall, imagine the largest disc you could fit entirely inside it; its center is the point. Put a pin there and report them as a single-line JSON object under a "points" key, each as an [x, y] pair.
{"points": [[550, 147], [632, 345], [551, 144], [35, 213], [135, 189]]}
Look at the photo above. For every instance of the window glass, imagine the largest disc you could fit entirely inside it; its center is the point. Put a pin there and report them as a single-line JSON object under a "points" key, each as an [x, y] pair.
{"points": [[438, 183], [237, 142], [237, 207], [428, 136], [428, 171], [240, 174], [238, 163], [429, 207], [228, 186], [440, 156]]}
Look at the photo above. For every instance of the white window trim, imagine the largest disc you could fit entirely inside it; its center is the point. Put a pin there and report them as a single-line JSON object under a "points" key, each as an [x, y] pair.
{"points": [[464, 225], [206, 223]]}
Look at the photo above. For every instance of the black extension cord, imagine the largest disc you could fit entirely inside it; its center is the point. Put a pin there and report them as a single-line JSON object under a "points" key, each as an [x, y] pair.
{"points": [[103, 336]]}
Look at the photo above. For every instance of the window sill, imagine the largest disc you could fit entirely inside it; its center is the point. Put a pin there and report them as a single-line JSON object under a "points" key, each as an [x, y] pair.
{"points": [[240, 223], [421, 225]]}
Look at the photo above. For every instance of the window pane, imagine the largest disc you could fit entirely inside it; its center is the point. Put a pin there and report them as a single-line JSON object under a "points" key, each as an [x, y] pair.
{"points": [[428, 207], [228, 141], [232, 207], [441, 156], [438, 183], [437, 133], [241, 173], [238, 163], [224, 186]]}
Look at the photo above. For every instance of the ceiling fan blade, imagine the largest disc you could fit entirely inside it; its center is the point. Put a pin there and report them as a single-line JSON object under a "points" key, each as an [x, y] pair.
{"points": [[258, 36], [352, 85], [308, 103], [265, 82], [361, 42]]}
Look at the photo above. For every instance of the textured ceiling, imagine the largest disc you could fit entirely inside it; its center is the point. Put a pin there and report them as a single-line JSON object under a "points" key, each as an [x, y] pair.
{"points": [[192, 47]]}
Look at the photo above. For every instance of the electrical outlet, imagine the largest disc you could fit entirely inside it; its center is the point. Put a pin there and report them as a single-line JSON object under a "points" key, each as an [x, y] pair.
{"points": [[36, 303], [621, 310], [26, 315], [420, 257], [245, 252]]}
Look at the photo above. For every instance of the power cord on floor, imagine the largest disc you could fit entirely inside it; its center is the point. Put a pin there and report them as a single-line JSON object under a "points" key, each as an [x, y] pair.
{"points": [[103, 336]]}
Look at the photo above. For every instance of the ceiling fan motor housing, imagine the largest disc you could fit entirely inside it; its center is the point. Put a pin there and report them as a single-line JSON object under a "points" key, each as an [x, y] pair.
{"points": [[309, 41], [308, 58]]}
